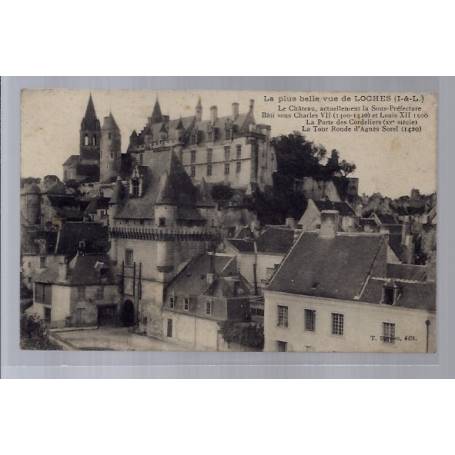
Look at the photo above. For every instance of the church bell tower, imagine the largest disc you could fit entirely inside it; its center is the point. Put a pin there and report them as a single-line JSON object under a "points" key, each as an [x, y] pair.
{"points": [[90, 135]]}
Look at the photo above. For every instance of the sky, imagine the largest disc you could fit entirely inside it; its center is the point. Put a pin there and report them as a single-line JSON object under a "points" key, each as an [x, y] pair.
{"points": [[389, 163]]}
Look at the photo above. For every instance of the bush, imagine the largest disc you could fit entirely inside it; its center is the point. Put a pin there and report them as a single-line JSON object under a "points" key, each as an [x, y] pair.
{"points": [[34, 334], [251, 334]]}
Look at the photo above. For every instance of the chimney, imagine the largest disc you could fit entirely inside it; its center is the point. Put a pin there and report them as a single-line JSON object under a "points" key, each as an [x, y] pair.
{"points": [[251, 105], [211, 272], [235, 110], [290, 222], [329, 224], [213, 114], [63, 270]]}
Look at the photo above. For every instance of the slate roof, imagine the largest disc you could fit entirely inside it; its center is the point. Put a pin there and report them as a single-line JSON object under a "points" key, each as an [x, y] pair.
{"points": [[95, 236], [333, 268], [160, 123], [192, 280], [90, 121], [109, 123], [271, 241], [407, 272], [83, 270], [421, 295], [343, 208], [179, 189]]}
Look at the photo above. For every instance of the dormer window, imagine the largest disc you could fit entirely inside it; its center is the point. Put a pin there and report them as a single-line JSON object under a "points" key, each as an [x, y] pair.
{"points": [[172, 301], [390, 294], [194, 137], [228, 133], [135, 187]]}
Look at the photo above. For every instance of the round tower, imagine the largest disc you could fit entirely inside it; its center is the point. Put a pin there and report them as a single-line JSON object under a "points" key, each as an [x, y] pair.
{"points": [[31, 204], [110, 149]]}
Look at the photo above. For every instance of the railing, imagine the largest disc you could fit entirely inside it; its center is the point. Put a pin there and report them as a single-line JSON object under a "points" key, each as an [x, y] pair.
{"points": [[180, 233]]}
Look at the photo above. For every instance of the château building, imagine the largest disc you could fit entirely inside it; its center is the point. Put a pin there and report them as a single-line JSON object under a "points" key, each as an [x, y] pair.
{"points": [[233, 150]]}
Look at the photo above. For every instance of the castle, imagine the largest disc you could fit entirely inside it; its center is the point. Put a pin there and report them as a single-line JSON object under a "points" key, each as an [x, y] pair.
{"points": [[233, 150]]}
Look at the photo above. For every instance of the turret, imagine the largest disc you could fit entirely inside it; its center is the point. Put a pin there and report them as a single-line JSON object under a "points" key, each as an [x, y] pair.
{"points": [[90, 134], [31, 204], [110, 149], [157, 116], [198, 111]]}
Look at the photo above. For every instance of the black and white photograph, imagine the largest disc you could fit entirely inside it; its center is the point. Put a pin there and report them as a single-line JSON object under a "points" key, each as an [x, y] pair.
{"points": [[228, 221]]}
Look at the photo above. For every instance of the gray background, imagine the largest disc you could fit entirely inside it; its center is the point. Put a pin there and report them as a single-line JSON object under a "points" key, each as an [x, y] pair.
{"points": [[64, 364]]}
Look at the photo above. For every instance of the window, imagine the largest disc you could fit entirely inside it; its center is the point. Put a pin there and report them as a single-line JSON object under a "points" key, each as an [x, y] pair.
{"points": [[47, 315], [228, 134], [388, 332], [162, 222], [109, 135], [238, 166], [208, 307], [282, 316], [310, 320], [388, 296], [169, 328], [81, 293], [39, 293], [337, 324], [112, 155], [186, 304], [129, 257], [94, 140], [226, 169], [227, 153], [86, 139], [209, 170], [239, 151], [282, 346], [42, 261], [172, 302], [135, 187], [193, 156], [100, 293], [193, 171], [209, 155]]}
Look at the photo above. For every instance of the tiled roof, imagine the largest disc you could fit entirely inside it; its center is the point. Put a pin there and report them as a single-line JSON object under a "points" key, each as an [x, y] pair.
{"points": [[95, 236], [333, 268]]}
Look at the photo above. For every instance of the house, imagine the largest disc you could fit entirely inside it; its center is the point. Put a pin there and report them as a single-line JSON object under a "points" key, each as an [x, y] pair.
{"points": [[208, 293], [40, 248], [232, 149], [311, 218], [81, 292], [258, 258], [335, 292]]}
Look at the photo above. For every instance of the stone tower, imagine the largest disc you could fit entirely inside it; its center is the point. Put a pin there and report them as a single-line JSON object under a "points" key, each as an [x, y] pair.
{"points": [[110, 149], [90, 135]]}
